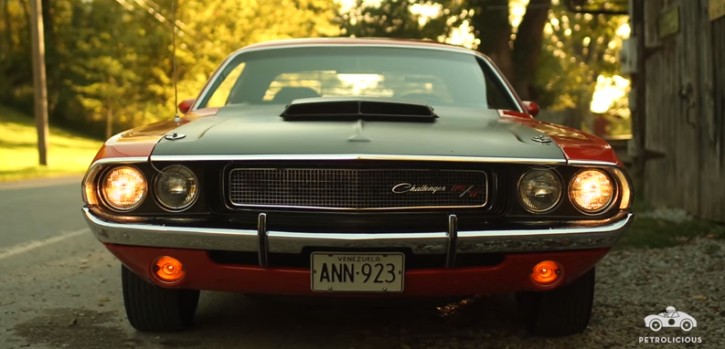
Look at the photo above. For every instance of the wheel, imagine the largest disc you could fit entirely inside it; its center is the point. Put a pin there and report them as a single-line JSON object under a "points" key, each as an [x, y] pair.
{"points": [[655, 325], [560, 312], [686, 325], [151, 308]]}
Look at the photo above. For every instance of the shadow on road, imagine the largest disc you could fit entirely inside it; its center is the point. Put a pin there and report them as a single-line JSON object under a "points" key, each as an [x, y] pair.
{"points": [[229, 320]]}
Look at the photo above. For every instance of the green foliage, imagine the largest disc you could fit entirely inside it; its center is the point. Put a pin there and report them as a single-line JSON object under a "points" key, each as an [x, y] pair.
{"points": [[394, 19], [114, 57], [577, 49]]}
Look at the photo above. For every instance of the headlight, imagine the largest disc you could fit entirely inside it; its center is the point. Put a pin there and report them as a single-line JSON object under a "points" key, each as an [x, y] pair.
{"points": [[176, 187], [591, 191], [540, 190], [124, 188]]}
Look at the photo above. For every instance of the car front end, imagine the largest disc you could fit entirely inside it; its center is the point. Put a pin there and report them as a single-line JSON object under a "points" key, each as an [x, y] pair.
{"points": [[357, 196], [257, 226]]}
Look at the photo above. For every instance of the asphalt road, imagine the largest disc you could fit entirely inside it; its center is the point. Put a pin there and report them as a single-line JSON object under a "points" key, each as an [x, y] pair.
{"points": [[59, 288]]}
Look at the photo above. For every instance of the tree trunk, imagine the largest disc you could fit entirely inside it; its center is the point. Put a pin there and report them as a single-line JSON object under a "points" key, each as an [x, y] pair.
{"points": [[50, 54], [518, 61], [109, 120], [527, 46], [491, 25], [27, 12], [6, 44]]}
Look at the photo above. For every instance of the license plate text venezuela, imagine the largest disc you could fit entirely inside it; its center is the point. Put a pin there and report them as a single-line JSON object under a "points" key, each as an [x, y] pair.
{"points": [[357, 272]]}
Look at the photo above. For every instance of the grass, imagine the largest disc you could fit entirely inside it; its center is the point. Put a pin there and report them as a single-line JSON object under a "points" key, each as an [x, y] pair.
{"points": [[68, 153], [650, 232]]}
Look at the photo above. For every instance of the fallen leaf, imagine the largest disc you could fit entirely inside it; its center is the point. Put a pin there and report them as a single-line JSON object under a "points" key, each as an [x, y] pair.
{"points": [[73, 322], [103, 299], [700, 297]]}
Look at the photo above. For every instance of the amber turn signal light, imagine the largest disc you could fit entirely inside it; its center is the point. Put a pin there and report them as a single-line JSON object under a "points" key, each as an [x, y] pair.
{"points": [[168, 269], [546, 273]]}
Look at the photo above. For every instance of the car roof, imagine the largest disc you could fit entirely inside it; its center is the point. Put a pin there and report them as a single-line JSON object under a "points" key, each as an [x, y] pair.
{"points": [[371, 41]]}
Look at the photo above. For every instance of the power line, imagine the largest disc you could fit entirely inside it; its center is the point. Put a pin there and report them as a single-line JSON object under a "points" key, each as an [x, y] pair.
{"points": [[178, 26]]}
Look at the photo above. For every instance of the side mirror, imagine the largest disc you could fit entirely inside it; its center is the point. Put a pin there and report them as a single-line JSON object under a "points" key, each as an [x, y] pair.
{"points": [[185, 105], [532, 108]]}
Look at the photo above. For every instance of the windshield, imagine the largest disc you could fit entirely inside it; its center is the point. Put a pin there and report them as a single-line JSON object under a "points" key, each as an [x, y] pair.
{"points": [[437, 77]]}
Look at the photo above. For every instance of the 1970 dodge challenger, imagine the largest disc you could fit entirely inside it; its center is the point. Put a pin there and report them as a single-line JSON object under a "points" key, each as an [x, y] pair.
{"points": [[358, 167]]}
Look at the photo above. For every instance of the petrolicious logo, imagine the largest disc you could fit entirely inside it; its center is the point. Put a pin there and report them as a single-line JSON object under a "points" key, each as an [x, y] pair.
{"points": [[671, 320]]}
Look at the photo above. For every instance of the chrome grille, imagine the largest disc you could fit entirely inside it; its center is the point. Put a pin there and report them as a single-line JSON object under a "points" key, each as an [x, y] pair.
{"points": [[357, 189]]}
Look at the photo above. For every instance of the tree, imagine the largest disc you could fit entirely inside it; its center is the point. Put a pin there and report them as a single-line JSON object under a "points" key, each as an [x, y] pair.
{"points": [[394, 18], [515, 52], [577, 50], [112, 59], [550, 55]]}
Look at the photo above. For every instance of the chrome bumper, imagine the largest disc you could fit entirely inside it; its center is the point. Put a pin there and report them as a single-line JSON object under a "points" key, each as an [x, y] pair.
{"points": [[450, 242]]}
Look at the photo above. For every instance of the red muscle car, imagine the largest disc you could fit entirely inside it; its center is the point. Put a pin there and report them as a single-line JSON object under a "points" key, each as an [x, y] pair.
{"points": [[358, 168]]}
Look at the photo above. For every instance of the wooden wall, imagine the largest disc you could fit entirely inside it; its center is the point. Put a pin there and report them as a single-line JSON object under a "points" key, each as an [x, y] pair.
{"points": [[685, 108]]}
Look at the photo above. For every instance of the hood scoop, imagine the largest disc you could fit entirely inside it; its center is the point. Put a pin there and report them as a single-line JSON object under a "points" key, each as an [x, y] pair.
{"points": [[358, 108]]}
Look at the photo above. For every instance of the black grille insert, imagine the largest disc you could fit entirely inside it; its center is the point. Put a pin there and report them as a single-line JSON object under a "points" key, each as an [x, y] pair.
{"points": [[357, 189]]}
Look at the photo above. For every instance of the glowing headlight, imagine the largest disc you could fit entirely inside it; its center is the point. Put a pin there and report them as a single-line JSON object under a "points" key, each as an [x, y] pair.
{"points": [[539, 190], [176, 187], [124, 188], [591, 191]]}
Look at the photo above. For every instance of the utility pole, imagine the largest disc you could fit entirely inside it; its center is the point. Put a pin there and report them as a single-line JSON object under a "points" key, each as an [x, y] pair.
{"points": [[39, 83]]}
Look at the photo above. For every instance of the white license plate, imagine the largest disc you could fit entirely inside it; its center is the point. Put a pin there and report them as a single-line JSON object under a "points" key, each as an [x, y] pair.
{"points": [[357, 272]]}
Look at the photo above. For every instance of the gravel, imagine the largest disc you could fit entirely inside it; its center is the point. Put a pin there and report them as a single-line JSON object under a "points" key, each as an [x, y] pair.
{"points": [[631, 284]]}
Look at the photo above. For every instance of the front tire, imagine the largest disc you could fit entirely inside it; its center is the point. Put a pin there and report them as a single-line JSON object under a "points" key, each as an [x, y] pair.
{"points": [[151, 308], [560, 312]]}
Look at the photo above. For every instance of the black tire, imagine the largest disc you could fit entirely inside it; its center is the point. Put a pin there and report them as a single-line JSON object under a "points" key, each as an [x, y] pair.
{"points": [[560, 312], [151, 308]]}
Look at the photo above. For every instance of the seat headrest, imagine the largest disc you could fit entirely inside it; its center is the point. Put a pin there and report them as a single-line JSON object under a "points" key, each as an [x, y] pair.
{"points": [[288, 94]]}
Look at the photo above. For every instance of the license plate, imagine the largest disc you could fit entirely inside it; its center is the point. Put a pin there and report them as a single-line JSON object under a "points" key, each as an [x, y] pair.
{"points": [[357, 272]]}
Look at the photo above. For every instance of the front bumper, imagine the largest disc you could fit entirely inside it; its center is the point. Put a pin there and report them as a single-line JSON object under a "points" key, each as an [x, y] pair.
{"points": [[202, 273], [451, 242]]}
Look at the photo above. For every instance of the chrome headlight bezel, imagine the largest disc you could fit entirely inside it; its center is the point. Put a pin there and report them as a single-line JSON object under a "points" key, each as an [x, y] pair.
{"points": [[101, 193], [615, 187], [555, 205], [189, 173]]}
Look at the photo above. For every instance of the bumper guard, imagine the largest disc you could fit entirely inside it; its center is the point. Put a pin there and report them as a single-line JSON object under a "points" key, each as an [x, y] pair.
{"points": [[450, 242]]}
